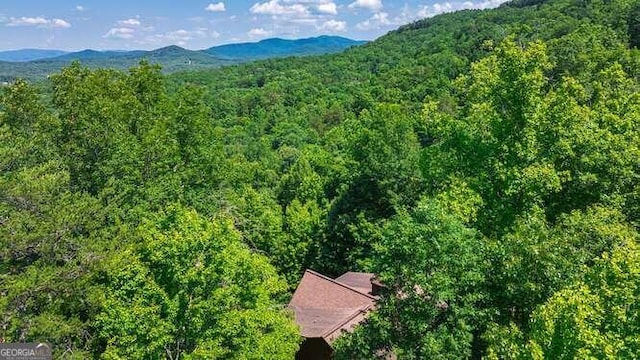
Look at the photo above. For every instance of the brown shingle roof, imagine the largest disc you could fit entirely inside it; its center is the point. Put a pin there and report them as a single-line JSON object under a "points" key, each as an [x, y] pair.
{"points": [[324, 307], [357, 280]]}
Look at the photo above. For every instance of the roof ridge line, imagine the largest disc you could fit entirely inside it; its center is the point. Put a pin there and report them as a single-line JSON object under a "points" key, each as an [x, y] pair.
{"points": [[361, 310], [341, 284]]}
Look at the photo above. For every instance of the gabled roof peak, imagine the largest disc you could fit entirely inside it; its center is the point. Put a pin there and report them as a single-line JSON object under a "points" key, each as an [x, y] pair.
{"points": [[346, 284], [325, 307]]}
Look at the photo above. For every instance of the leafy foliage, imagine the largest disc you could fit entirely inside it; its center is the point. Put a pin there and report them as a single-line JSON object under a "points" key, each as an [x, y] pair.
{"points": [[594, 318], [190, 288], [430, 263]]}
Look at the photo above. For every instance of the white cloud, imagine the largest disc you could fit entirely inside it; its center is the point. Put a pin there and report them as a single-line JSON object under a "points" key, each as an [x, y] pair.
{"points": [[219, 7], [376, 21], [373, 5], [132, 25], [59, 23], [179, 37], [445, 7], [185, 35], [258, 33], [334, 26], [288, 17], [307, 21], [80, 8], [129, 22], [274, 7], [119, 33], [28, 21], [38, 22], [328, 8], [408, 14]]}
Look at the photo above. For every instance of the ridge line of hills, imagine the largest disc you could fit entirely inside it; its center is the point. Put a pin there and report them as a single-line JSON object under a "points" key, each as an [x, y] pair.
{"points": [[36, 63]]}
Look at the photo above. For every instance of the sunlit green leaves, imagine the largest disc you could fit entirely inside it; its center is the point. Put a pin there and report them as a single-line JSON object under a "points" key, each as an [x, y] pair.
{"points": [[595, 318], [193, 289]]}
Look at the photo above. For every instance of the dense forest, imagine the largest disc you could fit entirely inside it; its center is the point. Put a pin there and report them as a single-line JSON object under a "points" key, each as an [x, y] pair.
{"points": [[485, 164]]}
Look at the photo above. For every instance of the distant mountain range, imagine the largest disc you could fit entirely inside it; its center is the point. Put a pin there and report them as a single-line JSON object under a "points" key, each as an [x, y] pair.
{"points": [[270, 48], [37, 64], [29, 54]]}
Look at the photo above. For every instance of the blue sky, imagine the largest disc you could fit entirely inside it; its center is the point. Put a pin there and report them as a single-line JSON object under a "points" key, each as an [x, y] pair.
{"points": [[142, 24]]}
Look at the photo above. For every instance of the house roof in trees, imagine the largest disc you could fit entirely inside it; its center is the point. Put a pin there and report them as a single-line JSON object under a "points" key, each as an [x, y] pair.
{"points": [[326, 307]]}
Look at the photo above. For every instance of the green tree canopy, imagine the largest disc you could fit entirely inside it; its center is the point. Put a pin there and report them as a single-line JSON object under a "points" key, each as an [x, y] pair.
{"points": [[189, 288]]}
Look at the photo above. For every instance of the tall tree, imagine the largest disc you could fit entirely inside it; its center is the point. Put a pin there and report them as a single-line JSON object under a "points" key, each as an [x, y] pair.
{"points": [[433, 267], [595, 318], [189, 288]]}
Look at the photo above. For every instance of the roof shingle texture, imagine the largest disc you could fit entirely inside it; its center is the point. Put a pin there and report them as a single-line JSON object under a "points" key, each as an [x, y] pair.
{"points": [[325, 307]]}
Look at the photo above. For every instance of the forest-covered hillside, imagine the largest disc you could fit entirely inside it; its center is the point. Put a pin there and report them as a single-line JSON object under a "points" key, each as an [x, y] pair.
{"points": [[485, 164], [277, 47]]}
